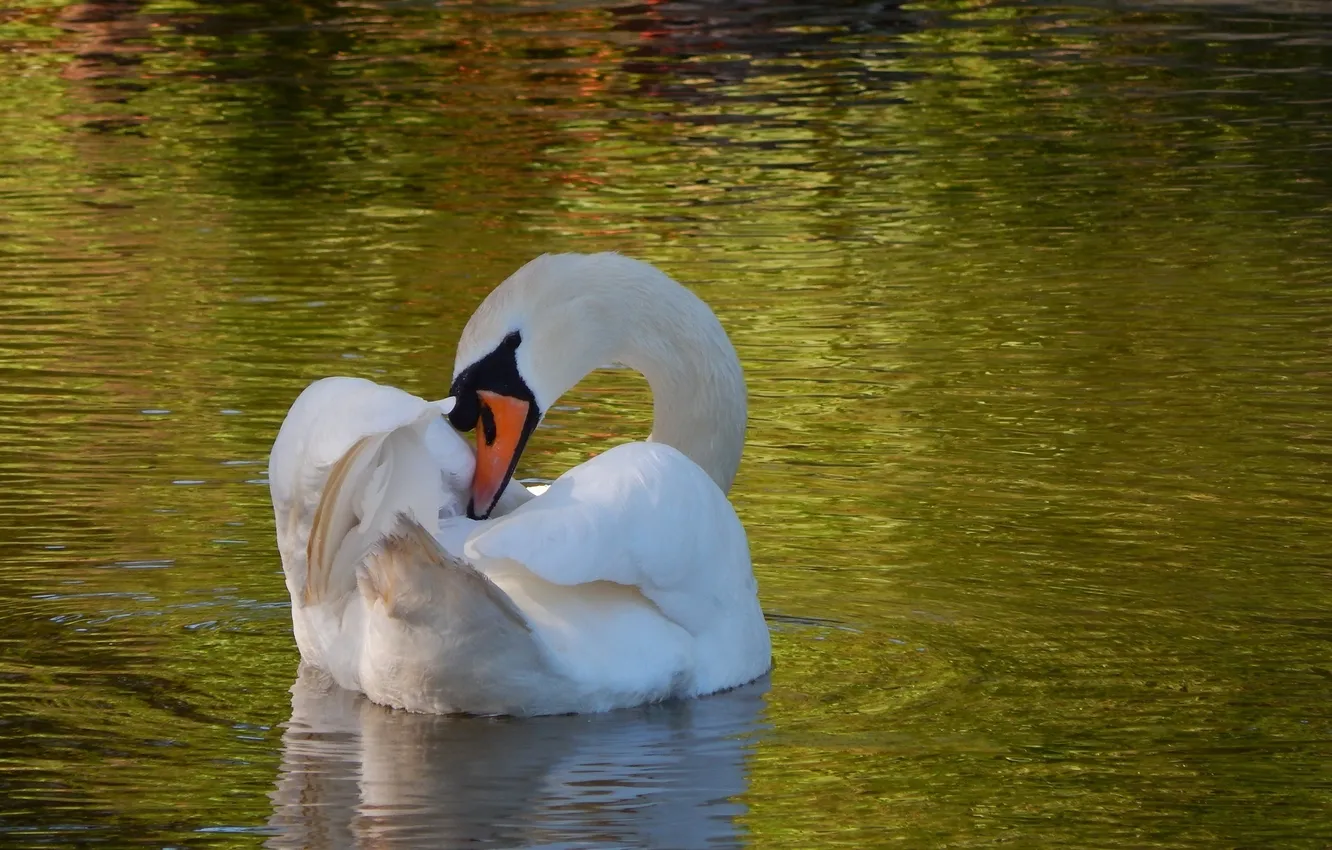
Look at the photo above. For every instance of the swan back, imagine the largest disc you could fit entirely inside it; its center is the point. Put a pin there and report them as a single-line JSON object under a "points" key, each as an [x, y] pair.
{"points": [[642, 516]]}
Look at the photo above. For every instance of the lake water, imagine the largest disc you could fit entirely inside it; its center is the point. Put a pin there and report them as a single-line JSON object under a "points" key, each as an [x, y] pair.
{"points": [[1035, 305]]}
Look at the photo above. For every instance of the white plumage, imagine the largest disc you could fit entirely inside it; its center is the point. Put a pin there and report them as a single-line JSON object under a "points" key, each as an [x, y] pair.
{"points": [[627, 581]]}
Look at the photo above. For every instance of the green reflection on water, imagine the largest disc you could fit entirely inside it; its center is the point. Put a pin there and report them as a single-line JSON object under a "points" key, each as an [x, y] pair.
{"points": [[1031, 303]]}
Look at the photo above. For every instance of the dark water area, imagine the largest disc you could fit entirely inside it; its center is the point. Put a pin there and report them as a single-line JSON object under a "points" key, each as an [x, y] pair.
{"points": [[1035, 306]]}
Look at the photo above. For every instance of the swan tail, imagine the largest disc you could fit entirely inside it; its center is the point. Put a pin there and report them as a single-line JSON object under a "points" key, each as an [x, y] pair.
{"points": [[435, 619]]}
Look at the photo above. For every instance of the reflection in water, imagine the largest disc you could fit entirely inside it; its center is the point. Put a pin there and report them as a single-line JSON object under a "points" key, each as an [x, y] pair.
{"points": [[356, 774]]}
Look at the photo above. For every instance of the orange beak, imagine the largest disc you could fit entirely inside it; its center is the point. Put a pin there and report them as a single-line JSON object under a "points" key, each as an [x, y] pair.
{"points": [[500, 436]]}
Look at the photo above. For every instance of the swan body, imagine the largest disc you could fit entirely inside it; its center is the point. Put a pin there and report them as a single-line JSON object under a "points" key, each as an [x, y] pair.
{"points": [[423, 576]]}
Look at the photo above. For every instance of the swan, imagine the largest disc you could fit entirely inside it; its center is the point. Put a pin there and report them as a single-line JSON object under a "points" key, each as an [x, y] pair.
{"points": [[422, 575]]}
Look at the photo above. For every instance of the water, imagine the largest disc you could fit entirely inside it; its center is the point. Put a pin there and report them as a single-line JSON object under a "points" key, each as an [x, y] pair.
{"points": [[1033, 303]]}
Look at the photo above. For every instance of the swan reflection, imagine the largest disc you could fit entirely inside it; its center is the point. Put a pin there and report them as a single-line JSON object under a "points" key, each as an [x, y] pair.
{"points": [[355, 774]]}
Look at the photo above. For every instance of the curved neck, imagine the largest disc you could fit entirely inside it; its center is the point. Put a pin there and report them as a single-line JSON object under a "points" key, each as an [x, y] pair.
{"points": [[576, 312], [698, 388], [615, 309]]}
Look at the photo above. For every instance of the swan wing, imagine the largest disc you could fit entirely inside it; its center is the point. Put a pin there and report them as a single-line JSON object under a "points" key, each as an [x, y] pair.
{"points": [[380, 579], [350, 456], [440, 636], [640, 515]]}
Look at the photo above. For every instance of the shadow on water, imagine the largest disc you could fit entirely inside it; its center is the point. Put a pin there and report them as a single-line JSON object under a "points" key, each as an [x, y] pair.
{"points": [[356, 774]]}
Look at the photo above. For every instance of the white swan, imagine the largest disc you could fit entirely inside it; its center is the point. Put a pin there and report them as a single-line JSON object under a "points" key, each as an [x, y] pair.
{"points": [[628, 581]]}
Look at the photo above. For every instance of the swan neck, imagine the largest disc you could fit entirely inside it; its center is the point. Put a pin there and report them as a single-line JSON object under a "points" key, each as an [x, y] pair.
{"points": [[570, 314], [698, 388]]}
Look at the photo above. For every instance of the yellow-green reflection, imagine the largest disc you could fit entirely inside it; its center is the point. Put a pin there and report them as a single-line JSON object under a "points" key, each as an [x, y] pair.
{"points": [[1030, 301]]}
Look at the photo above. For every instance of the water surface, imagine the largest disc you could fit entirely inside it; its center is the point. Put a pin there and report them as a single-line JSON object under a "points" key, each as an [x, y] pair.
{"points": [[1033, 301]]}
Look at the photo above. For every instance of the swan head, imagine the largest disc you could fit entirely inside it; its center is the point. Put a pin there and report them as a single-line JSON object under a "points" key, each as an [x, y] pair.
{"points": [[533, 337], [492, 395]]}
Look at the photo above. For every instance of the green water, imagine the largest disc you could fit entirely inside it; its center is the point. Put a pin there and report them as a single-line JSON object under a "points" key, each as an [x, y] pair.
{"points": [[1034, 302]]}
